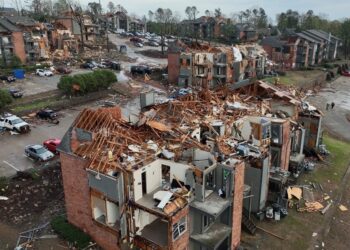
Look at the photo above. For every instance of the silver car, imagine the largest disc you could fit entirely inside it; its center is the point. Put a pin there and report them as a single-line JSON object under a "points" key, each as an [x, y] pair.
{"points": [[38, 152]]}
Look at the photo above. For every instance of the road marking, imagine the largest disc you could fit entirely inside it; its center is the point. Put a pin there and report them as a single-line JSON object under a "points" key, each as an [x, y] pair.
{"points": [[11, 166]]}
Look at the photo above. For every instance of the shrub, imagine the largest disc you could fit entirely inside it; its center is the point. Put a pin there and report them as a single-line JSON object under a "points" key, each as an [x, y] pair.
{"points": [[88, 82], [69, 232], [5, 98]]}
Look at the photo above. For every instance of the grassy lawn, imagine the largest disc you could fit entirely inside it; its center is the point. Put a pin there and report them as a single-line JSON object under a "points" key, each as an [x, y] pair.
{"points": [[302, 78], [32, 106], [297, 227]]}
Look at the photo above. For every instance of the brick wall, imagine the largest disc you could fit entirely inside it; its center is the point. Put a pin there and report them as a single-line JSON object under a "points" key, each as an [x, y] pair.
{"points": [[18, 43], [173, 68], [237, 205], [182, 242], [78, 203]]}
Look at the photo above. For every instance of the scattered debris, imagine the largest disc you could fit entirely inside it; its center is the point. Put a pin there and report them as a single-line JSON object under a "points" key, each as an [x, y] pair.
{"points": [[343, 208]]}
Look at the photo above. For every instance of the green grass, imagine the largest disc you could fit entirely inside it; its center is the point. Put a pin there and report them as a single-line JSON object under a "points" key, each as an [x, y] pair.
{"points": [[286, 80], [32, 106], [339, 161], [69, 232]]}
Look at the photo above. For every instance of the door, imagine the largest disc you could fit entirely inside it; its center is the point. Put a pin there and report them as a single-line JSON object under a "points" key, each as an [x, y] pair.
{"points": [[144, 184]]}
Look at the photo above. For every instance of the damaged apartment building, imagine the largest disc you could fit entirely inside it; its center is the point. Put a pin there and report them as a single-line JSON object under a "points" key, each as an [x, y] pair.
{"points": [[187, 171], [24, 37], [199, 65]]}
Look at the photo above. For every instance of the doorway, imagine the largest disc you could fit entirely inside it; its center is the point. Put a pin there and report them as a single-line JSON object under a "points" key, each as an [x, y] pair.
{"points": [[144, 184]]}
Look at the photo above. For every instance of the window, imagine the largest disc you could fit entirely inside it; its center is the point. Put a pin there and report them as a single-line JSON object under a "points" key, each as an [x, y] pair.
{"points": [[104, 211], [179, 228]]}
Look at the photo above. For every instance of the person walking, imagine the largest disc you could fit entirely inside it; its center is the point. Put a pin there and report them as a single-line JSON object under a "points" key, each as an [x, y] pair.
{"points": [[327, 106], [332, 105]]}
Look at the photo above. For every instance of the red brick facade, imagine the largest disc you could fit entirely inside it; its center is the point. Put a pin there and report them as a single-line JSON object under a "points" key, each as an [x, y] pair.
{"points": [[183, 241], [173, 67], [18, 43], [78, 202], [237, 205]]}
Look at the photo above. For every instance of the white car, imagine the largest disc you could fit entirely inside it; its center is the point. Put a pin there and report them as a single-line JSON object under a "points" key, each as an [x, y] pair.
{"points": [[14, 123], [44, 72]]}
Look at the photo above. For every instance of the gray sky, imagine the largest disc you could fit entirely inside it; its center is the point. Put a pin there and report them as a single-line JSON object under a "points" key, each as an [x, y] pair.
{"points": [[334, 9]]}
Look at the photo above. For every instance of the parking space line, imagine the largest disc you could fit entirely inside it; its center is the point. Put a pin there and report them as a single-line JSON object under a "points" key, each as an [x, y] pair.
{"points": [[11, 166]]}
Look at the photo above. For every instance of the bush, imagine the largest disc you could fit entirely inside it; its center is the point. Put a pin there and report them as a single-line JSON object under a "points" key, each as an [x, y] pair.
{"points": [[5, 98], [88, 82], [69, 232]]}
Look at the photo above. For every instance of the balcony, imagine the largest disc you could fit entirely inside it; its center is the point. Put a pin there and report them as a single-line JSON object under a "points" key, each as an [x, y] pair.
{"points": [[213, 205], [214, 237]]}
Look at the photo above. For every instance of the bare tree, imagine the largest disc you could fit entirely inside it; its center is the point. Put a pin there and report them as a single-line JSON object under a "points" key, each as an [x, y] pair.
{"points": [[111, 7], [77, 14], [191, 13], [164, 17]]}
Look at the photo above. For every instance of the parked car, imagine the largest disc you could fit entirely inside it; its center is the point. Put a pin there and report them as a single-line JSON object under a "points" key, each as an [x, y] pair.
{"points": [[345, 73], [8, 78], [12, 122], [153, 44], [52, 144], [38, 152], [44, 72], [46, 114], [63, 70], [15, 93], [136, 40], [140, 69], [140, 45], [87, 65]]}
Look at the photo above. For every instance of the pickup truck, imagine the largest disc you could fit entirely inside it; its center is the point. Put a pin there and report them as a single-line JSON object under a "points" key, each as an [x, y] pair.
{"points": [[12, 122]]}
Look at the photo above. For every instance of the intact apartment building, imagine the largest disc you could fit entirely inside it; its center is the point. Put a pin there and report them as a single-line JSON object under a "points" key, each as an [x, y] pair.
{"points": [[216, 66], [303, 49]]}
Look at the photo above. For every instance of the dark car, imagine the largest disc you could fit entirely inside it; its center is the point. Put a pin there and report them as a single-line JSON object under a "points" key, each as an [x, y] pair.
{"points": [[63, 70], [15, 93], [7, 78], [136, 40], [87, 66], [46, 114], [140, 69]]}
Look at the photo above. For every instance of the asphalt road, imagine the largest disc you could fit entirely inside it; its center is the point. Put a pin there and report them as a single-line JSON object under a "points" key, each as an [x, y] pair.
{"points": [[335, 119]]}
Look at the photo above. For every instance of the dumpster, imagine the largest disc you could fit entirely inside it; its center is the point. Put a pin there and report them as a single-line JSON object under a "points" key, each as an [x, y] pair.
{"points": [[18, 73]]}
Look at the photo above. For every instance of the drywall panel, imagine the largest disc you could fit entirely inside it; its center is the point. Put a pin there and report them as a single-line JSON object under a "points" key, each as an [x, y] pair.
{"points": [[176, 169], [143, 218], [105, 184]]}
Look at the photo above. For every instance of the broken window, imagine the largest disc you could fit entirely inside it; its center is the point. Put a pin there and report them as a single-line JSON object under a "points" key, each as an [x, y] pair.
{"points": [[104, 211], [166, 173], [179, 228], [188, 62]]}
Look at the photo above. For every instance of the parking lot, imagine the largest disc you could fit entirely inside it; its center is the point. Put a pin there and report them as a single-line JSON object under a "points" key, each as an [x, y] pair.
{"points": [[34, 84], [12, 146]]}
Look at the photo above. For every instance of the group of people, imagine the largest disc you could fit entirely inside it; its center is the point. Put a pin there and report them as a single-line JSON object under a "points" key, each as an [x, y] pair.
{"points": [[331, 105]]}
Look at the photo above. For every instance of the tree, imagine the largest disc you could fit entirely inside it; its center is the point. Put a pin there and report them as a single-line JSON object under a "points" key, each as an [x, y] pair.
{"points": [[150, 15], [207, 13], [191, 13], [164, 17], [289, 19], [5, 98], [60, 6], [95, 9], [77, 14], [345, 35], [111, 7], [217, 12]]}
